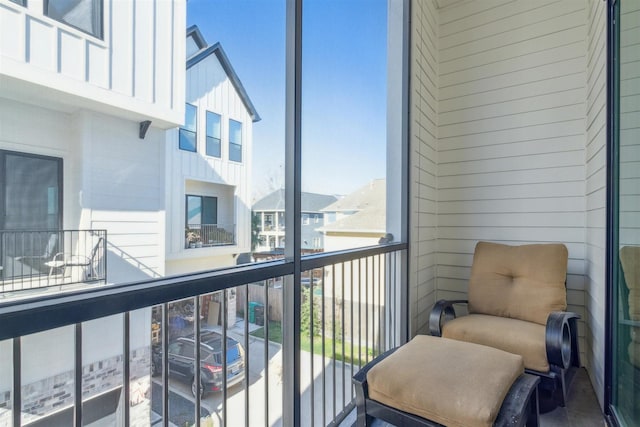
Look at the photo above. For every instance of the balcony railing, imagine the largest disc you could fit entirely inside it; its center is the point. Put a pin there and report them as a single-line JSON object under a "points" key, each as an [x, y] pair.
{"points": [[38, 259], [206, 235], [125, 354]]}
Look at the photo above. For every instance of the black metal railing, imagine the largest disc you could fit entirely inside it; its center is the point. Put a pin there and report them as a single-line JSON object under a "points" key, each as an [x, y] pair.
{"points": [[206, 235], [126, 354], [31, 259]]}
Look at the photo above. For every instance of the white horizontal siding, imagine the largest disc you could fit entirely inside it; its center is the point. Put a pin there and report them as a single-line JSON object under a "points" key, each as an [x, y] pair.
{"points": [[511, 130], [423, 140]]}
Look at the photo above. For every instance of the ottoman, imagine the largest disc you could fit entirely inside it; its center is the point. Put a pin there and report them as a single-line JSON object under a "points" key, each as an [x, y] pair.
{"points": [[434, 381]]}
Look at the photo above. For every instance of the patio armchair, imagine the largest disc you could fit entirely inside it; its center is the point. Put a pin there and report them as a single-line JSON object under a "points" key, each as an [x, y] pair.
{"points": [[517, 303], [88, 263]]}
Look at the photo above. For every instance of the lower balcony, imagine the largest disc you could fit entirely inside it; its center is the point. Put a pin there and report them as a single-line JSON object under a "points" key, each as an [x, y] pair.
{"points": [[35, 260], [208, 235]]}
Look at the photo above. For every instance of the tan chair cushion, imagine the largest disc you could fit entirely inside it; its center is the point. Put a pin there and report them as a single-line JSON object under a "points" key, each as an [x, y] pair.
{"points": [[522, 282], [515, 336], [450, 382], [630, 261]]}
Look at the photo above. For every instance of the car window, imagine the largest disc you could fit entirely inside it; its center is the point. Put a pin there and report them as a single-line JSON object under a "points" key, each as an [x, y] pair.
{"points": [[174, 347], [187, 350]]}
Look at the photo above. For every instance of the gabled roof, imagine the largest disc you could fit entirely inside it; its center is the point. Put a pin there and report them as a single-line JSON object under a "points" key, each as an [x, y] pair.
{"points": [[368, 205], [206, 51], [311, 202], [372, 194]]}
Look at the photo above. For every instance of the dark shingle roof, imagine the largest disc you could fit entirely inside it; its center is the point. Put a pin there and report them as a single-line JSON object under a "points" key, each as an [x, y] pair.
{"points": [[311, 202], [205, 51]]}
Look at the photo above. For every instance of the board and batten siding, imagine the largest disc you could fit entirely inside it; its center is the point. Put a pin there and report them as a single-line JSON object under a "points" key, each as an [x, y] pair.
{"points": [[135, 68], [210, 89], [596, 130], [423, 139]]}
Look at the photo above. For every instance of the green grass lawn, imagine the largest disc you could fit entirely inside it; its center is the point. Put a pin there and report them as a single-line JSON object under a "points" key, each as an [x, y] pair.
{"points": [[275, 335]]}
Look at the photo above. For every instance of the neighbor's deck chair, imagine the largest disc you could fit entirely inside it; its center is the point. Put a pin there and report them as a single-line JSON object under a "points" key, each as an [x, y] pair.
{"points": [[517, 302]]}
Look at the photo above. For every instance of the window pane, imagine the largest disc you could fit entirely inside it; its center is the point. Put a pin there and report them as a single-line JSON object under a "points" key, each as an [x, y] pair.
{"points": [[213, 134], [194, 210], [344, 129], [213, 147], [235, 141], [187, 140], [190, 117], [626, 308], [235, 152], [209, 210], [85, 15]]}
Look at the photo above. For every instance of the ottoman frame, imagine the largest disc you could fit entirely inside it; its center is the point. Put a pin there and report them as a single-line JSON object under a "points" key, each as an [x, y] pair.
{"points": [[519, 408]]}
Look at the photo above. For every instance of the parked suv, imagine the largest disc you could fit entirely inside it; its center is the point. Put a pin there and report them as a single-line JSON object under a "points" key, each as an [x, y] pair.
{"points": [[182, 361]]}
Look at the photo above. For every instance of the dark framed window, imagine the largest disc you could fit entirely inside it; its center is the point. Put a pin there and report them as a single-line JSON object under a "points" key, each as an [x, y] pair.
{"points": [[188, 135], [20, 2], [201, 210], [85, 15], [30, 192], [235, 141], [213, 134]]}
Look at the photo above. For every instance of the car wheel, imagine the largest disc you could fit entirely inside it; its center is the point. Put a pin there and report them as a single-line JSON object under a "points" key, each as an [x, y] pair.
{"points": [[194, 388]]}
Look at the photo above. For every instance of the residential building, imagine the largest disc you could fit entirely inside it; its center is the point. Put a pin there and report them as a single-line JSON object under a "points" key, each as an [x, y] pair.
{"points": [[208, 165], [270, 212], [357, 219]]}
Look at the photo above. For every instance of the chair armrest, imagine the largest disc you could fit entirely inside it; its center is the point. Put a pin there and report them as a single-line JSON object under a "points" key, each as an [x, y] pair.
{"points": [[435, 317], [561, 338]]}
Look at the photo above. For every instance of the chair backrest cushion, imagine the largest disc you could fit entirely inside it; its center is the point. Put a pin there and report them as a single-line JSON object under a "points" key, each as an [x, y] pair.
{"points": [[522, 282], [630, 262]]}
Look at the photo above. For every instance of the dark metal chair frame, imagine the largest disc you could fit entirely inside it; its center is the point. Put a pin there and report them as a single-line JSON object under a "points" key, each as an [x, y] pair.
{"points": [[519, 408], [561, 339]]}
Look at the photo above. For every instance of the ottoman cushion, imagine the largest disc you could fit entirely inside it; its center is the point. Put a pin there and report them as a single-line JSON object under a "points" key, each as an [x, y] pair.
{"points": [[446, 381]]}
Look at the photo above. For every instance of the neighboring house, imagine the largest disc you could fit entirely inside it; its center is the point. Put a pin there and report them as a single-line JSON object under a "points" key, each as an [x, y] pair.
{"points": [[356, 220], [88, 91], [208, 165], [270, 210]]}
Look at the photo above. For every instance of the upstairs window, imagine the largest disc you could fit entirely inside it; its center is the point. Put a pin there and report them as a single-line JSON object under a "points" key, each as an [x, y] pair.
{"points": [[188, 132], [213, 134], [235, 141], [85, 15]]}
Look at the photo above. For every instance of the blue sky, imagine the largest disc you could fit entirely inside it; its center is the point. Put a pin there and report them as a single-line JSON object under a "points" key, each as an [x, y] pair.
{"points": [[344, 85]]}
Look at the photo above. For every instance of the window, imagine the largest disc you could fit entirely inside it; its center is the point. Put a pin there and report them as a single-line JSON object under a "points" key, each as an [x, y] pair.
{"points": [[213, 134], [235, 141], [85, 15], [188, 133], [316, 218], [305, 219], [201, 210], [20, 2]]}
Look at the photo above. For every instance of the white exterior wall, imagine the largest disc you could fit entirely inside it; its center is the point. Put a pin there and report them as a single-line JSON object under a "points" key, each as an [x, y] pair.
{"points": [[123, 192], [424, 158], [111, 180], [134, 71], [596, 194], [209, 89]]}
